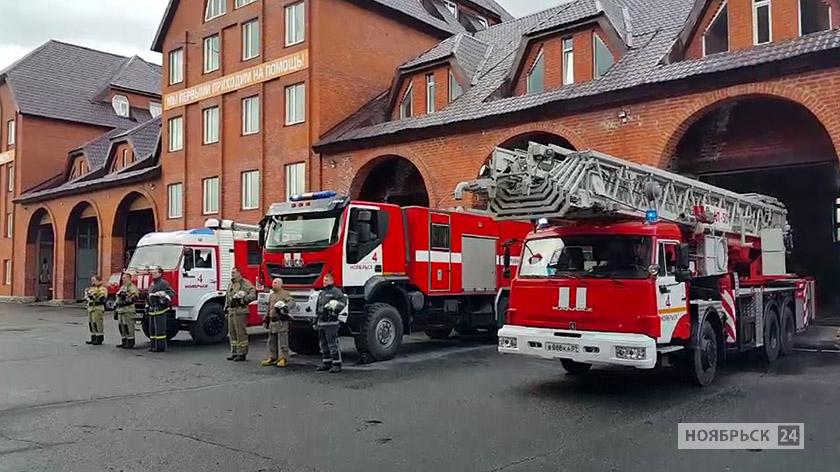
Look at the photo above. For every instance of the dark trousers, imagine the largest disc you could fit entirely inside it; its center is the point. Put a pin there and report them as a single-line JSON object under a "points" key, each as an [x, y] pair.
{"points": [[328, 338], [157, 330]]}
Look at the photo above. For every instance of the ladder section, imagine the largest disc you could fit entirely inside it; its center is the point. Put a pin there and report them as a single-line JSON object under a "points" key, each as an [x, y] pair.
{"points": [[557, 183]]}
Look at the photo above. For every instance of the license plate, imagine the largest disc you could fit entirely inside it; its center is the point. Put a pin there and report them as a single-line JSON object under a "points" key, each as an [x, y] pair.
{"points": [[562, 347]]}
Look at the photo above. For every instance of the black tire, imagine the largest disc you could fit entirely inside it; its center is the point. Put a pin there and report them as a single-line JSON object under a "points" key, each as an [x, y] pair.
{"points": [[211, 325], [501, 313], [172, 326], [575, 368], [788, 330], [702, 362], [303, 340], [438, 333], [772, 335], [381, 333]]}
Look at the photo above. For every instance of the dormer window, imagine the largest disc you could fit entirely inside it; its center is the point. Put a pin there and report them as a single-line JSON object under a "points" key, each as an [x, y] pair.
{"points": [[407, 105], [155, 109], [814, 15], [455, 89], [452, 7], [762, 33], [482, 21], [603, 57], [215, 9], [716, 38], [536, 76], [121, 106]]}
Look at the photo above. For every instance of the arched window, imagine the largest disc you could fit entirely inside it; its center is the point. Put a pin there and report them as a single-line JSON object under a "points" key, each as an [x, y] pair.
{"points": [[121, 105]]}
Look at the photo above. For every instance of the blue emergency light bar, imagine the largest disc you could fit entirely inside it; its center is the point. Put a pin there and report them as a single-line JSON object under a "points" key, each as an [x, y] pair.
{"points": [[313, 196], [651, 216]]}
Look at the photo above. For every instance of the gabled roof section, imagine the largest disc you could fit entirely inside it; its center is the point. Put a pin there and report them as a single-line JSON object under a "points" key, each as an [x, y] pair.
{"points": [[62, 81], [96, 150], [468, 51], [493, 6], [574, 12]]}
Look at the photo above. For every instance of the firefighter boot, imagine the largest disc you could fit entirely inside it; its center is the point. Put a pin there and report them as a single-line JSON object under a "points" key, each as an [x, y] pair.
{"points": [[239, 358], [324, 367], [99, 340], [268, 362], [129, 344], [92, 340], [336, 368], [282, 362]]}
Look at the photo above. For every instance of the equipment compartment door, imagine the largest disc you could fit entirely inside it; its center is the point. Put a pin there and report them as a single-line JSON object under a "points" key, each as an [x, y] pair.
{"points": [[198, 275], [440, 253], [671, 297]]}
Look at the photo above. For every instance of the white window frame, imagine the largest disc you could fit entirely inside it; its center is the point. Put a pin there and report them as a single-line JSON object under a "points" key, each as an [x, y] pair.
{"points": [[431, 92], [242, 3], [409, 96], [250, 115], [760, 4], [176, 66], [483, 21], [155, 109], [124, 158], [295, 104], [568, 60], [211, 125], [219, 10], [540, 57], [295, 177], [10, 175], [723, 6], [175, 201], [210, 196], [251, 39], [250, 190], [121, 106], [11, 128], [10, 224], [295, 23], [453, 85], [175, 127], [452, 7], [799, 16], [7, 276], [595, 40], [212, 53]]}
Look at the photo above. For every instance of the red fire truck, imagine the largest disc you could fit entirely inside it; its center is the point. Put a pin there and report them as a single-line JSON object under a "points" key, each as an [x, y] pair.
{"points": [[635, 266], [197, 263], [404, 269]]}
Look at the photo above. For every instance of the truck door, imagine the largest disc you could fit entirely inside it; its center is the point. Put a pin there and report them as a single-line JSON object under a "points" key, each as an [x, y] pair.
{"points": [[198, 275], [672, 303], [440, 252], [366, 230]]}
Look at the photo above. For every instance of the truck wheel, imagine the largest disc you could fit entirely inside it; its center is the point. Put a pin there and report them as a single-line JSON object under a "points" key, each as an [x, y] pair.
{"points": [[211, 326], [172, 327], [772, 336], [701, 363], [575, 368], [303, 340], [438, 333], [381, 332], [788, 330]]}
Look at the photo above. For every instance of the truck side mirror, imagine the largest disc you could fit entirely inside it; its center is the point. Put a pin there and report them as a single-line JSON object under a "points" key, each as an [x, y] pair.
{"points": [[682, 275], [189, 260], [683, 257], [506, 262]]}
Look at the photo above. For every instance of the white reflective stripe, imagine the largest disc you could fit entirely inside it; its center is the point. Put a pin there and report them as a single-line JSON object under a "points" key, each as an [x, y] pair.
{"points": [[563, 303], [580, 298], [438, 256], [514, 260]]}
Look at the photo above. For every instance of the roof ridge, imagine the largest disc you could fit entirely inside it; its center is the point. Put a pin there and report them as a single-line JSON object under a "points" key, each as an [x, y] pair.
{"points": [[88, 48]]}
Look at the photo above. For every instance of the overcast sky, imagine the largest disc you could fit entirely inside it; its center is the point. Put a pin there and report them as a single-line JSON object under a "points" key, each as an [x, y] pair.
{"points": [[121, 26]]}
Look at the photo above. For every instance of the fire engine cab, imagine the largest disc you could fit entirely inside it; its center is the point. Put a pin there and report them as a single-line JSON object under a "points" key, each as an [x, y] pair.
{"points": [[636, 266], [197, 263], [403, 269]]}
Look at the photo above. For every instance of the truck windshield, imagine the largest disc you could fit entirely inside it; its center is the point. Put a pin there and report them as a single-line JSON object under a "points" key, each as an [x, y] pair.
{"points": [[588, 257], [303, 231], [164, 255]]}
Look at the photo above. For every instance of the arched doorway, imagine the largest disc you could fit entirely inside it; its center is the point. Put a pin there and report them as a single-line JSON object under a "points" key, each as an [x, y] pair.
{"points": [[134, 219], [391, 179], [40, 261], [82, 248], [779, 148]]}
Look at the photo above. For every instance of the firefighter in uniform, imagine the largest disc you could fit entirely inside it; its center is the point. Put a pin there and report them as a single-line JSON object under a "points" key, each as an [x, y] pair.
{"points": [[331, 302], [95, 296], [239, 294], [280, 302], [126, 296], [158, 305]]}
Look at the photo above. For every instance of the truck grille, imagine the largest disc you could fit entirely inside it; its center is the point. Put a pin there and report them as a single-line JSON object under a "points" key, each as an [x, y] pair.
{"points": [[306, 275]]}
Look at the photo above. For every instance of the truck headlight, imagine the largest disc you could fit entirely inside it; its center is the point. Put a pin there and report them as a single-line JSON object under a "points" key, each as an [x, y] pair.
{"points": [[631, 353], [507, 343]]}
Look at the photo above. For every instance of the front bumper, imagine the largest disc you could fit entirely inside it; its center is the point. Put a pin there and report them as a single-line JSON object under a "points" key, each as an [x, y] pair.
{"points": [[305, 302], [581, 346]]}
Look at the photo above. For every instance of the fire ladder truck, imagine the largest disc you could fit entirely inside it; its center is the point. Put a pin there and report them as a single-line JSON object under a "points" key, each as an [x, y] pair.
{"points": [[636, 266]]}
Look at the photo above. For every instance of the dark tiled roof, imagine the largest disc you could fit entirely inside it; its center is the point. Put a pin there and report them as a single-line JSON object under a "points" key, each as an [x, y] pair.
{"points": [[654, 24], [96, 150], [494, 6], [576, 11], [77, 187], [467, 50], [64, 81]]}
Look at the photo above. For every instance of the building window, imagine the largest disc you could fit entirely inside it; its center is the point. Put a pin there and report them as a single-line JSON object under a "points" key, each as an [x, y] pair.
{"points": [[483, 21], [121, 105], [430, 93], [175, 200], [251, 190], [7, 272], [125, 158], [176, 133], [10, 133], [215, 8], [452, 7], [603, 57], [250, 40], [455, 89], [211, 195], [716, 38], [814, 15], [9, 224], [295, 24], [11, 178], [295, 104], [536, 76], [155, 109], [407, 105], [251, 115], [212, 53], [295, 179], [211, 125], [762, 32], [242, 3], [176, 66], [568, 61]]}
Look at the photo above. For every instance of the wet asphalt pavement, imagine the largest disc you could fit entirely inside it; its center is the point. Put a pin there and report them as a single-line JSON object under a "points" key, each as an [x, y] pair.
{"points": [[440, 406]]}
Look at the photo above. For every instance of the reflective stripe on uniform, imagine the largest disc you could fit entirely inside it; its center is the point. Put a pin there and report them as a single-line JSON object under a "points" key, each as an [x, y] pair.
{"points": [[157, 337], [158, 313]]}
